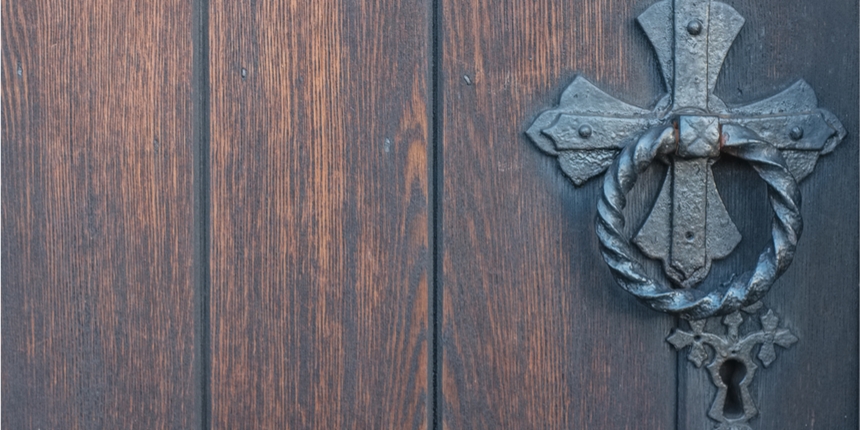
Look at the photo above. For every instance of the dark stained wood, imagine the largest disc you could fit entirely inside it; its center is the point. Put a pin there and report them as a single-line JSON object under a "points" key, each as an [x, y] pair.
{"points": [[321, 210], [814, 384], [98, 290], [536, 333], [320, 259]]}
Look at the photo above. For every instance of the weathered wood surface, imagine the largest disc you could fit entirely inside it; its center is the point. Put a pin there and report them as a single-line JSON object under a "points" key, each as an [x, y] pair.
{"points": [[319, 176], [536, 334], [98, 290], [320, 208]]}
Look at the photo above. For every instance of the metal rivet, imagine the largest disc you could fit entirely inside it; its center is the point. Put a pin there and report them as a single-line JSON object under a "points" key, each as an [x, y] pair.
{"points": [[585, 131], [796, 133], [694, 27]]}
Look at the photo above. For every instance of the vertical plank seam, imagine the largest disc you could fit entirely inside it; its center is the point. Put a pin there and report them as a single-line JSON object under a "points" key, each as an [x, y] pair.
{"points": [[679, 380], [201, 174], [435, 236]]}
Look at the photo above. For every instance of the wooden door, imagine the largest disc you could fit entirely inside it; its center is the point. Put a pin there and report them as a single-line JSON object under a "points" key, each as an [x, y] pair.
{"points": [[282, 214]]}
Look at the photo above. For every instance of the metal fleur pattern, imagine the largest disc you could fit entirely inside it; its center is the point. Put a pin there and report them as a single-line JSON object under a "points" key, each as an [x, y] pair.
{"points": [[732, 348], [688, 227]]}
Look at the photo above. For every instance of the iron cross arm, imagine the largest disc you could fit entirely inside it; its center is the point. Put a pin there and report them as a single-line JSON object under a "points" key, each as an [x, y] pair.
{"points": [[782, 137]]}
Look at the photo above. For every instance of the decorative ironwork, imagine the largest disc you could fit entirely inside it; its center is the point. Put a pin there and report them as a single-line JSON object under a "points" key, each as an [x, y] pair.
{"points": [[689, 227], [732, 366]]}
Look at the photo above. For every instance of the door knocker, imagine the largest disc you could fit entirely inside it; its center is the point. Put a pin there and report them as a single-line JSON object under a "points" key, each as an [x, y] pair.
{"points": [[688, 227]]}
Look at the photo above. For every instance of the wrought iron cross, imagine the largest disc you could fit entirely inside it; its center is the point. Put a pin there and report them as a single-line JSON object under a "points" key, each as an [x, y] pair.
{"points": [[688, 227]]}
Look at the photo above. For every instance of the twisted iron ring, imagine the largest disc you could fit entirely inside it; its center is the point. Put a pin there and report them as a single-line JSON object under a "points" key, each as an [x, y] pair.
{"points": [[741, 291]]}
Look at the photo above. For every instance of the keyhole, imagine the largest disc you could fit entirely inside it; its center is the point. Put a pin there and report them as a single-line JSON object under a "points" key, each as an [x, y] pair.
{"points": [[732, 372]]}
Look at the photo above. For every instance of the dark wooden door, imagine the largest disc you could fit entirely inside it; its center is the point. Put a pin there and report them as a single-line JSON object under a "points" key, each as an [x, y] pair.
{"points": [[283, 214]]}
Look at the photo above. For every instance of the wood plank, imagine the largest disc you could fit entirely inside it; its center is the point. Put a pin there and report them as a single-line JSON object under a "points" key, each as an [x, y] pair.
{"points": [[536, 333], [813, 384], [98, 291], [319, 155]]}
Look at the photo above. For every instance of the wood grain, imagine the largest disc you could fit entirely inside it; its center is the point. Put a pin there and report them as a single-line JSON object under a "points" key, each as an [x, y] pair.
{"points": [[319, 294], [98, 291], [536, 333], [321, 207]]}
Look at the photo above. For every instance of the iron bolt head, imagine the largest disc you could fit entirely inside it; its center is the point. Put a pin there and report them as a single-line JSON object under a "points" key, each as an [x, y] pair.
{"points": [[585, 131], [694, 27], [796, 133]]}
